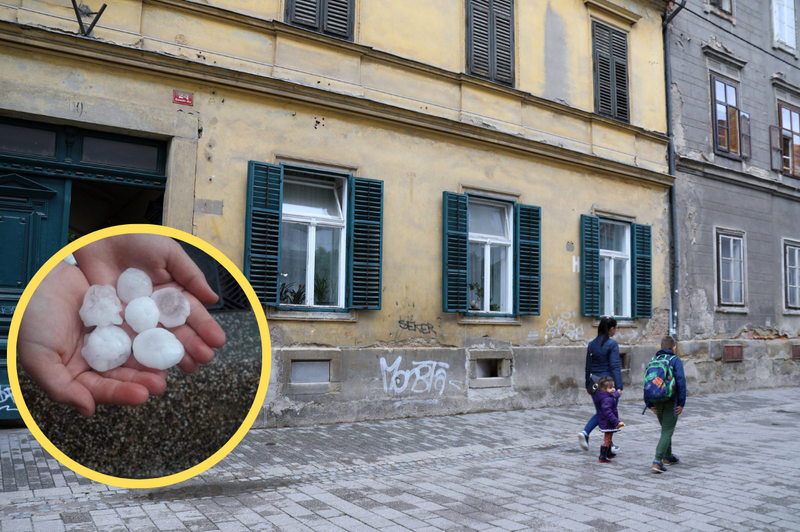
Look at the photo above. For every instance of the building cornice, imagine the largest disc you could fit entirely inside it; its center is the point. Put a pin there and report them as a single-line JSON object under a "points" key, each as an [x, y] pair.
{"points": [[280, 28], [104, 53], [608, 8], [742, 179], [718, 53]]}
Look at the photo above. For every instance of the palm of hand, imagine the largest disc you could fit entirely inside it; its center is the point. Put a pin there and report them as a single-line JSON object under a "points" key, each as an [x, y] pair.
{"points": [[52, 333], [51, 338]]}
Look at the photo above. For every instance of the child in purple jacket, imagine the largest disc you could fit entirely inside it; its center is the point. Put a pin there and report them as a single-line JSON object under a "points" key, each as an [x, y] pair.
{"points": [[606, 398]]}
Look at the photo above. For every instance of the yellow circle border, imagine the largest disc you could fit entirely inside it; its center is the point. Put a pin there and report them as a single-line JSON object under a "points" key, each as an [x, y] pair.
{"points": [[266, 357]]}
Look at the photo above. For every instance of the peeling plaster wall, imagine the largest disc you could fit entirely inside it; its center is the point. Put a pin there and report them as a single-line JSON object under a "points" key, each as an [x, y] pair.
{"points": [[715, 192], [372, 113]]}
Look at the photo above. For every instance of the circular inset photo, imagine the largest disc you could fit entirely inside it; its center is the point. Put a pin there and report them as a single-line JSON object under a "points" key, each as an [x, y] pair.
{"points": [[139, 356]]}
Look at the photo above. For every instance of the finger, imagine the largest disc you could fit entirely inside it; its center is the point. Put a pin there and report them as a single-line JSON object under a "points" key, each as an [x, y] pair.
{"points": [[153, 379], [186, 272], [188, 364], [205, 326], [196, 348], [106, 390], [48, 371]]}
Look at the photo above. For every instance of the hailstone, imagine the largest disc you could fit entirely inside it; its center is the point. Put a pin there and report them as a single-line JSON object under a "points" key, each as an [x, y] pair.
{"points": [[173, 306], [142, 314], [133, 283], [106, 348], [101, 306], [157, 348]]}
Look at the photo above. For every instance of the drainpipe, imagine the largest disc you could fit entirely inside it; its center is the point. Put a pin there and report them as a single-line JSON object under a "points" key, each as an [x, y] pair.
{"points": [[673, 205]]}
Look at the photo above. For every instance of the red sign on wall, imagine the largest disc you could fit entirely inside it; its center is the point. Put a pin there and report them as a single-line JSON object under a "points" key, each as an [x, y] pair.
{"points": [[183, 98]]}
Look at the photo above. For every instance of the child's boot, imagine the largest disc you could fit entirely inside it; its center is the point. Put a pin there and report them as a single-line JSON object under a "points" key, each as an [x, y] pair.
{"points": [[610, 453], [604, 455]]}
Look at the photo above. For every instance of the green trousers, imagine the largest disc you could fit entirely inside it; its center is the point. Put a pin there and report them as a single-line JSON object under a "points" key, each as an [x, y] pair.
{"points": [[668, 420]]}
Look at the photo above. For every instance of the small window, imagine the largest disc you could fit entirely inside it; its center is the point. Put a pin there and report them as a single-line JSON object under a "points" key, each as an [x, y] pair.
{"points": [[27, 140], [615, 268], [785, 140], [331, 17], [730, 269], [490, 39], [491, 263], [724, 5], [314, 238], [310, 371], [610, 72], [488, 368], [783, 22], [731, 126], [490, 257], [792, 253]]}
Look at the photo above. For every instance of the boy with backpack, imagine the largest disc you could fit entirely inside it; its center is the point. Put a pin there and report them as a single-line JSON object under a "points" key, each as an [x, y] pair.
{"points": [[665, 395]]}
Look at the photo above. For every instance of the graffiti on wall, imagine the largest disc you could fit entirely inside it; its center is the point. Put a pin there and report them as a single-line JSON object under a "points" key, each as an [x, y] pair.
{"points": [[410, 325], [427, 376], [563, 326], [7, 400]]}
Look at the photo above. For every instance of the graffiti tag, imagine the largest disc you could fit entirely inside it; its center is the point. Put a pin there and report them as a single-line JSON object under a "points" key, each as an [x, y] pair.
{"points": [[424, 328], [561, 326], [427, 376], [5, 396]]}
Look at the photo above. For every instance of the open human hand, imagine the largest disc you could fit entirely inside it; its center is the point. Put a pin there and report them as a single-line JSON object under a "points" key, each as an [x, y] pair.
{"points": [[49, 347], [167, 264], [51, 334]]}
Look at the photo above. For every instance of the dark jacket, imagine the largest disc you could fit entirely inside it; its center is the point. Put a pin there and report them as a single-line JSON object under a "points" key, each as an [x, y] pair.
{"points": [[603, 361], [608, 417], [679, 376]]}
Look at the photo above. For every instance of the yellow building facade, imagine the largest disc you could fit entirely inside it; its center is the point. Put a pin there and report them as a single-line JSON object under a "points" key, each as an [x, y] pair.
{"points": [[554, 105]]}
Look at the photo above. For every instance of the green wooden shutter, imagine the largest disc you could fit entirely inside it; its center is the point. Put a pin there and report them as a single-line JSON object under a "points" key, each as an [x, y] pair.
{"points": [[337, 18], [642, 271], [590, 265], [619, 50], [455, 250], [262, 241], [364, 243], [603, 70], [479, 49], [304, 12], [503, 40], [527, 267]]}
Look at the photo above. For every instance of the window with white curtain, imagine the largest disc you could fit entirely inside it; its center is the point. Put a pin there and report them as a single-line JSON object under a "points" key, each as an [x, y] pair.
{"points": [[792, 253], [312, 242], [615, 268], [730, 274], [490, 256], [783, 22]]}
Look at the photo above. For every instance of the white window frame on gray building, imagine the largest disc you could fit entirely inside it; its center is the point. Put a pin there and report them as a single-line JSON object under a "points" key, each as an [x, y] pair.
{"points": [[784, 24], [791, 276], [731, 303]]}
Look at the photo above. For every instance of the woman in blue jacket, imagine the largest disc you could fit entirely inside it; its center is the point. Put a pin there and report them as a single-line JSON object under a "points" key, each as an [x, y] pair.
{"points": [[602, 360]]}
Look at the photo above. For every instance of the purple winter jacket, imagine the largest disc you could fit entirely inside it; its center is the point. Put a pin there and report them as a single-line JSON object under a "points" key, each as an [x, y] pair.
{"points": [[607, 407]]}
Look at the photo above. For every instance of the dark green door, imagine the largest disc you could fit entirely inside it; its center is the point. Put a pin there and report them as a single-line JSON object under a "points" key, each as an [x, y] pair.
{"points": [[34, 215]]}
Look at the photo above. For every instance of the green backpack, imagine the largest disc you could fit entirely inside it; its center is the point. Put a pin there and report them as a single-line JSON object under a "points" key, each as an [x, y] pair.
{"points": [[659, 383]]}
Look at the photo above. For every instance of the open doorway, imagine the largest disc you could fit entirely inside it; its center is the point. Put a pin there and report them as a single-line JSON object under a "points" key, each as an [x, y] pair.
{"points": [[96, 205]]}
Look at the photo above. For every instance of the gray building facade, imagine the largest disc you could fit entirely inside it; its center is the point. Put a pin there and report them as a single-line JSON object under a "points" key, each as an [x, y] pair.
{"points": [[735, 91]]}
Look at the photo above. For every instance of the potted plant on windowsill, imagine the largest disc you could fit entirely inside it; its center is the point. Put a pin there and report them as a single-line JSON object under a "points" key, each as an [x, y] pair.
{"points": [[475, 304], [289, 296], [323, 288]]}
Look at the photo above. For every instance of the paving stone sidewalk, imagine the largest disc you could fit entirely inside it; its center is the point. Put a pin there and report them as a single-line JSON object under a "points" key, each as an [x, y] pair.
{"points": [[500, 471]]}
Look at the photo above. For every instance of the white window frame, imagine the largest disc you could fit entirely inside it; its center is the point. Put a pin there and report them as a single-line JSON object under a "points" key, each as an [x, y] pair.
{"points": [[790, 23], [487, 241], [789, 246], [313, 222], [725, 305], [608, 302]]}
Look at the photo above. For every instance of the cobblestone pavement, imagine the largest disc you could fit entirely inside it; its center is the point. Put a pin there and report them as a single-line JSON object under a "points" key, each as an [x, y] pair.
{"points": [[498, 471]]}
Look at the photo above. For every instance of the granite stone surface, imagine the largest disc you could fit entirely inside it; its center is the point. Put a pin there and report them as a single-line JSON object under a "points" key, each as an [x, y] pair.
{"points": [[170, 433]]}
